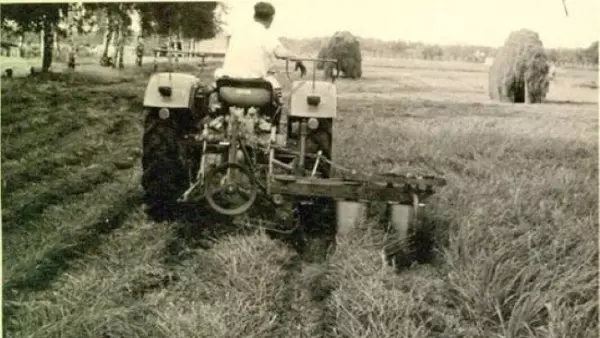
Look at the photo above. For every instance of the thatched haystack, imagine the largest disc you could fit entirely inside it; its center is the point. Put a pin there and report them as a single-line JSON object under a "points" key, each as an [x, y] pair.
{"points": [[322, 54], [344, 47], [520, 69]]}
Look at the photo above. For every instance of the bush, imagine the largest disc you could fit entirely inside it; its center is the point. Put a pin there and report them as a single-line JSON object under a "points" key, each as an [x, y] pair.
{"points": [[520, 69], [344, 47]]}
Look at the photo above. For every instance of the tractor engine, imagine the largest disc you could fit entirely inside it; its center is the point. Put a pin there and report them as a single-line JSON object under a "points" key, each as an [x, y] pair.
{"points": [[250, 103], [256, 127], [177, 97], [196, 109]]}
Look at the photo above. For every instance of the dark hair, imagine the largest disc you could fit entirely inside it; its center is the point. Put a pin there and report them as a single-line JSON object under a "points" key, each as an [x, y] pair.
{"points": [[264, 11]]}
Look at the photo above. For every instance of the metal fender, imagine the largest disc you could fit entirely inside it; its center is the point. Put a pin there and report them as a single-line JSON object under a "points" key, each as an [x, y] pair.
{"points": [[319, 101], [170, 90]]}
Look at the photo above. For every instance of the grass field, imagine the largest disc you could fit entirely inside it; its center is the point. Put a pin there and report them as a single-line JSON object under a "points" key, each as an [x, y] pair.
{"points": [[517, 249]]}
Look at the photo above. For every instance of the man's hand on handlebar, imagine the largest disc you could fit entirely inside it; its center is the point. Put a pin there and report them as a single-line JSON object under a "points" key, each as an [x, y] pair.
{"points": [[300, 65]]}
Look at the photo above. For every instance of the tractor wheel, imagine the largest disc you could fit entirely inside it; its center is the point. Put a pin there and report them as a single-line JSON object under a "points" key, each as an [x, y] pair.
{"points": [[164, 177]]}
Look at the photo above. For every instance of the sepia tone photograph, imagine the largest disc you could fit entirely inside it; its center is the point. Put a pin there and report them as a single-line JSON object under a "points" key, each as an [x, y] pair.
{"points": [[315, 168]]}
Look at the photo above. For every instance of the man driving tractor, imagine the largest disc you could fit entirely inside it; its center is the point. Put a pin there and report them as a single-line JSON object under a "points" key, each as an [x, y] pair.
{"points": [[251, 52]]}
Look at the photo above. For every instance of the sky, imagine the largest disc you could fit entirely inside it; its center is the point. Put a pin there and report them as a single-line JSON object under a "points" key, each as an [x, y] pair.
{"points": [[481, 22]]}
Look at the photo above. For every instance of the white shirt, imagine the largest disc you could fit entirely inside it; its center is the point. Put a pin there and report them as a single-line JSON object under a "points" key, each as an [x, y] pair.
{"points": [[251, 52]]}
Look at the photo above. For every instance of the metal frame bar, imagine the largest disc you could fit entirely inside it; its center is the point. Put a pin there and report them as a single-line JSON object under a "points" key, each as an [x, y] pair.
{"points": [[193, 53], [344, 190]]}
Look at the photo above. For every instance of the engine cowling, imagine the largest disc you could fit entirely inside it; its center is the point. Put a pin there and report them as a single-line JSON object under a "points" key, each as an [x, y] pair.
{"points": [[319, 101], [171, 90]]}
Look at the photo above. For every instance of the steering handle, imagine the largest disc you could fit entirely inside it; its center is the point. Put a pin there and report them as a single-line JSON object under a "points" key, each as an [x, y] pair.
{"points": [[325, 60], [312, 59]]}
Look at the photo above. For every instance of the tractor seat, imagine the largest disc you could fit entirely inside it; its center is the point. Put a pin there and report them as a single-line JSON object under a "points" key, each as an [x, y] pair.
{"points": [[244, 93]]}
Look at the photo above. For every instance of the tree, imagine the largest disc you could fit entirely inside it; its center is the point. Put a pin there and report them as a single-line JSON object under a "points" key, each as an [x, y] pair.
{"points": [[192, 20], [591, 53], [432, 52], [117, 23], [180, 20], [37, 17]]}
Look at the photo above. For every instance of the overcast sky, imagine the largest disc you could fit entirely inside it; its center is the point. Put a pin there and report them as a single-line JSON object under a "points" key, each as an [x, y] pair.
{"points": [[485, 22]]}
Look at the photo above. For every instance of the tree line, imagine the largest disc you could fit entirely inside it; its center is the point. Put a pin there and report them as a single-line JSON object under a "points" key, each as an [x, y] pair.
{"points": [[470, 53], [46, 23], [50, 21]]}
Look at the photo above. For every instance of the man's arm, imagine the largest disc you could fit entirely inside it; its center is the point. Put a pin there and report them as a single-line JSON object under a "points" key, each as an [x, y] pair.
{"points": [[275, 47], [281, 52]]}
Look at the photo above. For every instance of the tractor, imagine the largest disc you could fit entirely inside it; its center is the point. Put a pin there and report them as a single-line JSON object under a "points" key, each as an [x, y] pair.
{"points": [[234, 141]]}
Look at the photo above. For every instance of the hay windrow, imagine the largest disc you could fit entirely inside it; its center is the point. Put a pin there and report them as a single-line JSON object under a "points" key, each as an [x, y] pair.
{"points": [[515, 256]]}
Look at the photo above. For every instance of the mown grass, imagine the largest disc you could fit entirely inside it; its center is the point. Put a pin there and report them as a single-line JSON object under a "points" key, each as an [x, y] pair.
{"points": [[515, 228]]}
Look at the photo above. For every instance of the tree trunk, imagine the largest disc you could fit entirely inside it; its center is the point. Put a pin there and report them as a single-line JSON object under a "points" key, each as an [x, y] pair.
{"points": [[176, 45], [527, 98], [21, 38], [116, 45], [106, 43], [47, 46], [56, 43], [169, 49], [71, 38], [121, 44], [108, 36]]}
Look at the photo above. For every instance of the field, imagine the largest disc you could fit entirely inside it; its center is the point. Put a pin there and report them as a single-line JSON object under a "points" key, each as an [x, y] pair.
{"points": [[516, 227]]}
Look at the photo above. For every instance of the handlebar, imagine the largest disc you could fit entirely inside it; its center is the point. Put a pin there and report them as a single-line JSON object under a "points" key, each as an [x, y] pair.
{"points": [[312, 59], [204, 55], [171, 52], [187, 52], [324, 60]]}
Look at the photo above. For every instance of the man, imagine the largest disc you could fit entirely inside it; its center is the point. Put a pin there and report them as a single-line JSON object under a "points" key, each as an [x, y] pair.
{"points": [[252, 52], [139, 51]]}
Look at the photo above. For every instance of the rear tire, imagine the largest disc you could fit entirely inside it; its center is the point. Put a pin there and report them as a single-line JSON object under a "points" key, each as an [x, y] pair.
{"points": [[164, 177]]}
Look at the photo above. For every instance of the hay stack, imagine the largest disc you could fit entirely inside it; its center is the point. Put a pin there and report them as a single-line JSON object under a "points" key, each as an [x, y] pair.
{"points": [[344, 47], [519, 72], [322, 54]]}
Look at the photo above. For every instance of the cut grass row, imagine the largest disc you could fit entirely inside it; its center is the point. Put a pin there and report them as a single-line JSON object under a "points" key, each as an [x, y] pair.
{"points": [[520, 253], [516, 233]]}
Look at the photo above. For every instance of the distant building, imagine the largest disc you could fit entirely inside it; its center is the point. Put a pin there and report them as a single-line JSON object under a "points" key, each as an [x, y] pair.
{"points": [[9, 49], [218, 44]]}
